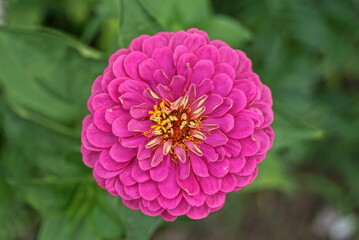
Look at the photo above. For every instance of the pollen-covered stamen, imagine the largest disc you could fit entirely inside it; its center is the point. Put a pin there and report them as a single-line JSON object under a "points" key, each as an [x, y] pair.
{"points": [[175, 123]]}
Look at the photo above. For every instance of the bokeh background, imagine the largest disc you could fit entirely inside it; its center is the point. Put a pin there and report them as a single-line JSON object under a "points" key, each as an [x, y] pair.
{"points": [[306, 51]]}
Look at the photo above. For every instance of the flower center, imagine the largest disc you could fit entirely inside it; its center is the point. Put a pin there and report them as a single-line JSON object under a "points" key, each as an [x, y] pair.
{"points": [[175, 123]]}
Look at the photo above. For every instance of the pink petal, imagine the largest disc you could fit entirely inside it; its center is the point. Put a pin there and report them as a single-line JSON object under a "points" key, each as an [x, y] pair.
{"points": [[212, 102], [181, 209], [132, 204], [250, 146], [193, 148], [205, 87], [113, 113], [226, 123], [236, 164], [131, 63], [168, 217], [100, 121], [223, 108], [247, 87], [113, 88], [108, 163], [125, 176], [200, 32], [194, 41], [130, 99], [229, 183], [180, 152], [165, 92], [152, 43], [169, 188], [249, 167], [266, 95], [201, 70], [135, 125], [119, 187], [243, 127], [233, 147], [208, 52], [122, 154], [100, 171], [147, 69], [189, 185], [99, 138], [245, 65], [117, 54], [195, 200], [185, 64], [222, 84], [118, 68], [169, 203], [224, 68], [133, 142], [218, 169], [183, 169], [239, 100], [216, 138], [164, 57], [267, 113], [119, 127], [102, 100], [198, 212], [216, 200], [158, 156], [132, 191], [138, 174], [210, 185], [140, 111], [227, 55], [110, 186], [161, 171], [149, 190], [143, 152], [177, 85], [89, 158], [136, 44], [178, 39], [209, 153], [199, 166]]}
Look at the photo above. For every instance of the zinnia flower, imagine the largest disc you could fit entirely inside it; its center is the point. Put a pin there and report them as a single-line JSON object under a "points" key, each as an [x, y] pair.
{"points": [[176, 122]]}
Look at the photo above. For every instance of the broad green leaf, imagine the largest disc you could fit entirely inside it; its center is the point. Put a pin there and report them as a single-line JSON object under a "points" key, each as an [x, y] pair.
{"points": [[177, 15], [226, 29], [104, 218], [289, 131], [138, 226], [57, 227], [46, 199], [272, 176], [33, 151], [135, 20], [46, 74]]}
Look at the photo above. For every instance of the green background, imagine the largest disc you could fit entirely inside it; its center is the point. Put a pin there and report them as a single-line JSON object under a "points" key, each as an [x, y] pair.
{"points": [[306, 51]]}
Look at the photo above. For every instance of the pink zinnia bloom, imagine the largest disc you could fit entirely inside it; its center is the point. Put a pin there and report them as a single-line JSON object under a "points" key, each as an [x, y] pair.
{"points": [[177, 121]]}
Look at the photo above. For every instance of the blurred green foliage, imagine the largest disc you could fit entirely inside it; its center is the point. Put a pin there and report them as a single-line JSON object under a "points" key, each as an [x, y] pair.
{"points": [[52, 50]]}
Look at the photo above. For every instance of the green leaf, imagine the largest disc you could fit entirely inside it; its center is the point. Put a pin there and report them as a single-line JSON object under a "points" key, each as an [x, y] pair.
{"points": [[46, 73], [177, 15], [135, 20], [57, 227], [272, 176], [290, 131], [104, 219], [226, 29], [138, 226]]}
